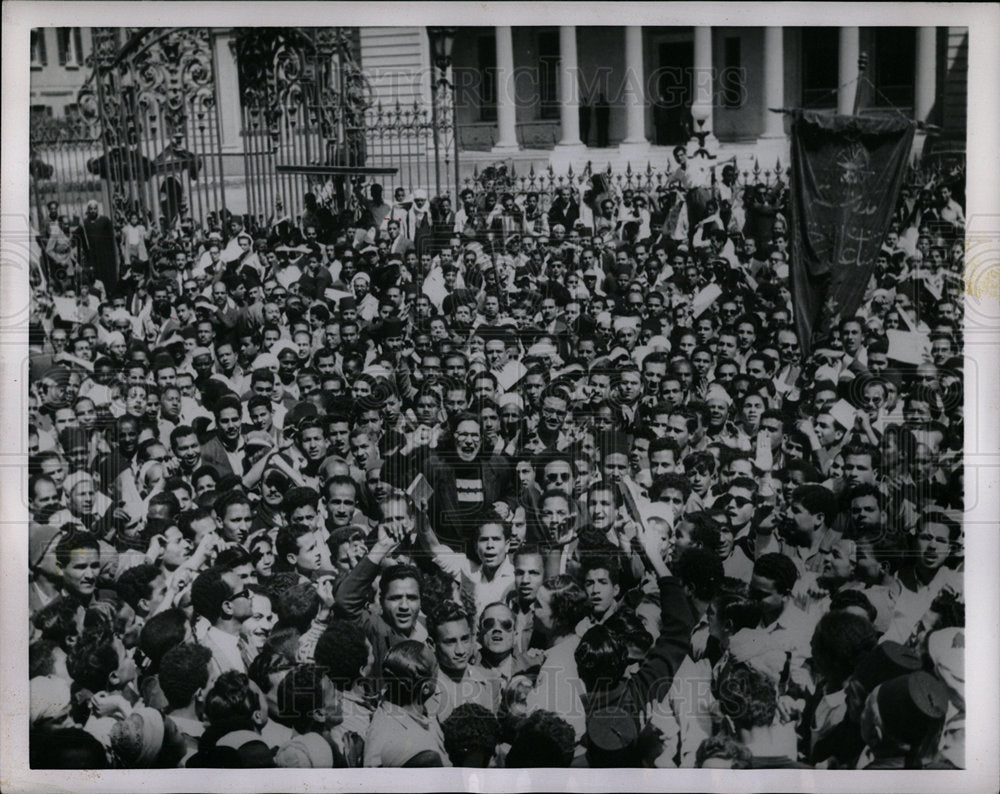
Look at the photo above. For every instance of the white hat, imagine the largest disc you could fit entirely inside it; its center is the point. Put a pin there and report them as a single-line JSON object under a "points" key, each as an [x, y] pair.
{"points": [[717, 393], [265, 361], [621, 322], [511, 398]]}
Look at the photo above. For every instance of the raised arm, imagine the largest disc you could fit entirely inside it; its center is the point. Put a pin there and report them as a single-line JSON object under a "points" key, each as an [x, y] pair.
{"points": [[352, 595]]}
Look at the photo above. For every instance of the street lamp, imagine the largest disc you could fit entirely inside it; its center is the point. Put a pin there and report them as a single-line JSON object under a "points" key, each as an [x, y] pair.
{"points": [[442, 41]]}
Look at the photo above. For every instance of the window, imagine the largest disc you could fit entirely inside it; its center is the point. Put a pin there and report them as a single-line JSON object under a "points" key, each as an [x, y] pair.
{"points": [[820, 67], [40, 112], [732, 75], [72, 112], [548, 74], [70, 41], [487, 55], [894, 67], [39, 58]]}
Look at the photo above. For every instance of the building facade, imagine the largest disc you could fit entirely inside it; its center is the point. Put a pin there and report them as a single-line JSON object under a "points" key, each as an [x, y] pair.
{"points": [[58, 70], [531, 97], [567, 95]]}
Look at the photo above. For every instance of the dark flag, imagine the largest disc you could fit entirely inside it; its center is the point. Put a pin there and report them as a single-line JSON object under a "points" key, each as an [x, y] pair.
{"points": [[846, 176]]}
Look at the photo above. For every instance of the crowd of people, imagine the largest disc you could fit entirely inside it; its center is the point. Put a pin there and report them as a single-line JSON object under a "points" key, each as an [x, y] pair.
{"points": [[540, 481]]}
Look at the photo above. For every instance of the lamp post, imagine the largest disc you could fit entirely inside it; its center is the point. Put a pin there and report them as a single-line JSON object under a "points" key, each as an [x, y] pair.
{"points": [[442, 41]]}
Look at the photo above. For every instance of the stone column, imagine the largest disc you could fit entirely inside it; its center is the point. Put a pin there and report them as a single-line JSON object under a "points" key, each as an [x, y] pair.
{"points": [[506, 105], [635, 93], [925, 83], [228, 82], [774, 82], [847, 78], [704, 82], [569, 88]]}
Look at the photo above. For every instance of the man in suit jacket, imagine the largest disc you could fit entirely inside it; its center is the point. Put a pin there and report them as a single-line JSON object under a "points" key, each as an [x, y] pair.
{"points": [[99, 247], [224, 450]]}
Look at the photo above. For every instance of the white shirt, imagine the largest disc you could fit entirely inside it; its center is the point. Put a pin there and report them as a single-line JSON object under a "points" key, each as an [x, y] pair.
{"points": [[558, 687], [473, 580]]}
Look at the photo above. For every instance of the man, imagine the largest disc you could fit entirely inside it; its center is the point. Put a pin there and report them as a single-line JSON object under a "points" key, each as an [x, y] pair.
{"points": [[398, 597], [489, 579], [224, 450], [78, 563], [299, 550], [224, 603], [898, 717], [99, 248], [402, 732], [499, 661], [789, 628], [601, 582], [807, 530], [185, 448], [529, 572], [458, 681]]}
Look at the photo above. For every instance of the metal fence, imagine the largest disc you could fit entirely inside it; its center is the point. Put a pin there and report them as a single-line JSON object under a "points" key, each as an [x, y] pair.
{"points": [[60, 150]]}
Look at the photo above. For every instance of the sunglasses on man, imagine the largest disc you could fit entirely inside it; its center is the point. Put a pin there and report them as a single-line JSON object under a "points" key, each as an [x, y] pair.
{"points": [[503, 624]]}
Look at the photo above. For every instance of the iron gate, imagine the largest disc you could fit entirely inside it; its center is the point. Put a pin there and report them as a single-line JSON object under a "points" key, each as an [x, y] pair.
{"points": [[59, 151], [152, 96], [149, 139]]}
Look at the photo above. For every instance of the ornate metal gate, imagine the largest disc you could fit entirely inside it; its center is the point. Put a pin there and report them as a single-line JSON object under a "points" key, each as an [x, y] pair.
{"points": [[303, 97], [59, 151], [150, 136], [153, 95]]}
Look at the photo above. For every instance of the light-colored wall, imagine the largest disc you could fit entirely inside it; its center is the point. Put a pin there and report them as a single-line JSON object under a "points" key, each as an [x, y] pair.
{"points": [[55, 85], [397, 61]]}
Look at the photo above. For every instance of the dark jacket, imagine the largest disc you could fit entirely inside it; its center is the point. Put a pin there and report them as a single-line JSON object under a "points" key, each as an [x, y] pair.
{"points": [[453, 520], [214, 454], [652, 680], [352, 599]]}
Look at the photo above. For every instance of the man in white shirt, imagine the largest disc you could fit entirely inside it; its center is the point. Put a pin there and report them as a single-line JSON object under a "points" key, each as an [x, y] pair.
{"points": [[224, 602]]}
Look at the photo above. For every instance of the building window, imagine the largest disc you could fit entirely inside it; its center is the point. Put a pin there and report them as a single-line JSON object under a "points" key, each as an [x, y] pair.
{"points": [[70, 41], [820, 67], [39, 58], [548, 74], [895, 66], [732, 75], [40, 112], [486, 48]]}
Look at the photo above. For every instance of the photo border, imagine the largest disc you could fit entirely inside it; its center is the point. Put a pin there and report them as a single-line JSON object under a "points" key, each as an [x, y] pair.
{"points": [[982, 551]]}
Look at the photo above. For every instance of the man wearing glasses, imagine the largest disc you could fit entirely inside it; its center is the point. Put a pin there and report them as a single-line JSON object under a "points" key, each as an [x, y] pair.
{"points": [[223, 603], [498, 660]]}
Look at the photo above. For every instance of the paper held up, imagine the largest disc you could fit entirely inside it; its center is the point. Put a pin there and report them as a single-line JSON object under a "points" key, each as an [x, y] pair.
{"points": [[420, 490], [509, 375], [843, 414], [336, 295], [68, 309], [641, 509], [908, 347], [705, 298]]}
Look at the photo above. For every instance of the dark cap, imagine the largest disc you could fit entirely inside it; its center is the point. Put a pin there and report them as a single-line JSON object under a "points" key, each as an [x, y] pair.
{"points": [[392, 326], [300, 411], [611, 730], [347, 303], [72, 437], [885, 661], [910, 704]]}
